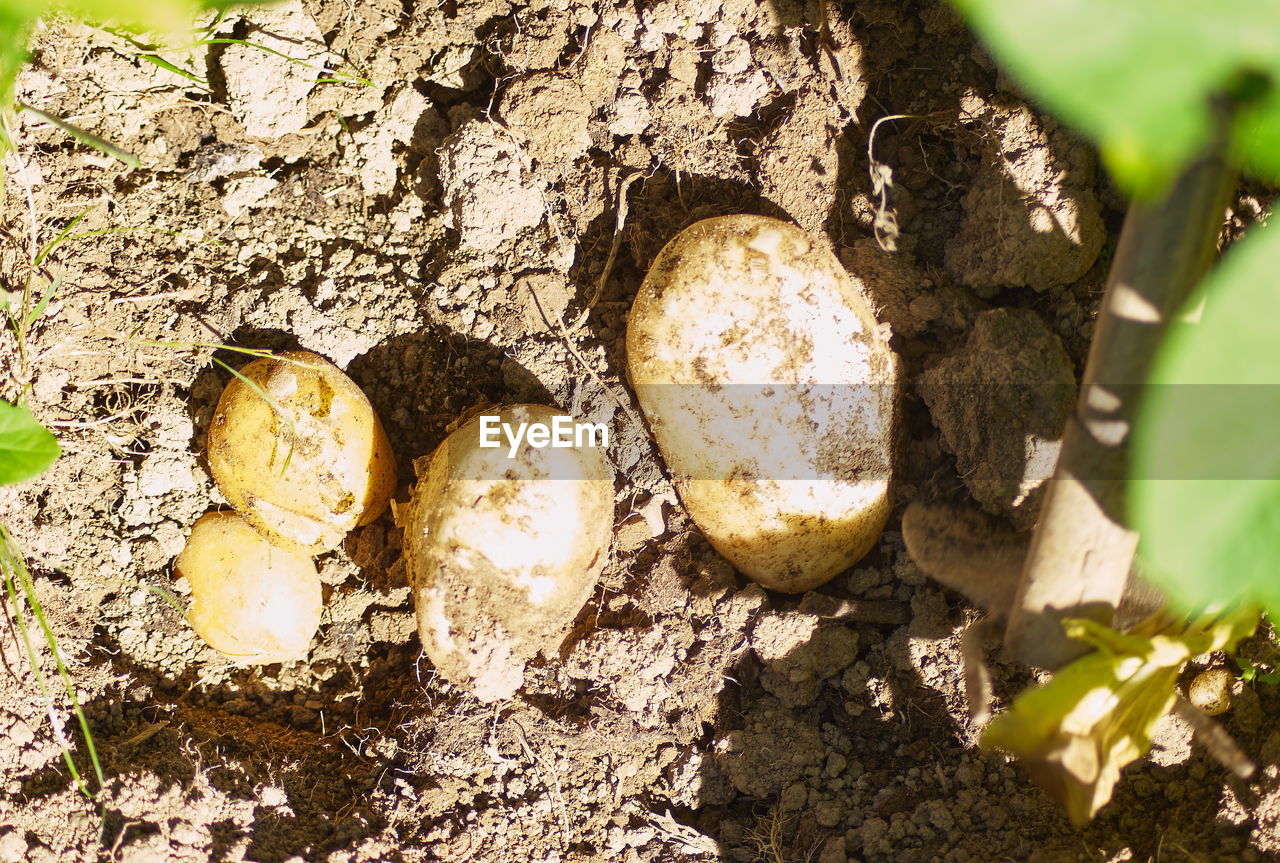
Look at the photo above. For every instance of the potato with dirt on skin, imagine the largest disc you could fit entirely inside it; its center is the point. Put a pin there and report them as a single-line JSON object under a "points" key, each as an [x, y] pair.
{"points": [[251, 600], [772, 393], [303, 457], [1210, 691], [502, 552]]}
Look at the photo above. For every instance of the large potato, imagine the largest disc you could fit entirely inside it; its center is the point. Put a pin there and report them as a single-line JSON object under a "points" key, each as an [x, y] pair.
{"points": [[771, 392], [252, 601], [306, 463], [503, 551]]}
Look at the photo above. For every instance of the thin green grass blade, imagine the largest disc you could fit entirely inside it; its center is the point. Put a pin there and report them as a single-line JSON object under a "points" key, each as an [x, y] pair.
{"points": [[62, 235], [251, 352], [275, 406], [338, 77], [38, 310], [84, 137], [102, 232], [346, 78], [169, 598], [157, 60], [14, 569], [260, 353]]}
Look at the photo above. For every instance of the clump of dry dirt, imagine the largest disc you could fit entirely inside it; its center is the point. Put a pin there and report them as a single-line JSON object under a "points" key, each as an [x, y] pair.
{"points": [[1001, 403], [469, 226]]}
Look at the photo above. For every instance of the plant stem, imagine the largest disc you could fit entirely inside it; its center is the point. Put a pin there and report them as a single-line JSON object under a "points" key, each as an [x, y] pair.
{"points": [[1082, 553]]}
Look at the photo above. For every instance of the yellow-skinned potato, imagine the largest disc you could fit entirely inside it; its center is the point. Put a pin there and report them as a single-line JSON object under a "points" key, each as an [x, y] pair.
{"points": [[1210, 691], [308, 462], [772, 394], [251, 600], [503, 551]]}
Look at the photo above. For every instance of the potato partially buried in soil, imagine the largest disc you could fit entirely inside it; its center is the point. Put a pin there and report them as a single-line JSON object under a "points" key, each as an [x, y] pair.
{"points": [[251, 600], [1210, 691], [772, 394], [502, 551], [303, 457]]}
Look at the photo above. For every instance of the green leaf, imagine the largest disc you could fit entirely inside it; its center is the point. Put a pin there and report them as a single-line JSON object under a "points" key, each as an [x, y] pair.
{"points": [[18, 18], [168, 16], [26, 447], [1204, 490], [1077, 732], [1136, 76], [15, 29]]}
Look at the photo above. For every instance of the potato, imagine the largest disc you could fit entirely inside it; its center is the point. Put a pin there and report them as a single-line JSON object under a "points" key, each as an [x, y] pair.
{"points": [[251, 600], [772, 394], [1210, 691], [503, 551], [308, 465]]}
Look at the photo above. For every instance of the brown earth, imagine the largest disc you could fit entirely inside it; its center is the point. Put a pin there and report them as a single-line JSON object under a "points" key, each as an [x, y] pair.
{"points": [[429, 231]]}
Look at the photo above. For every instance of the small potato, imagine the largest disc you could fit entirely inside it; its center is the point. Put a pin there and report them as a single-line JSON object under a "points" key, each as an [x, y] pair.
{"points": [[251, 601], [772, 394], [503, 551], [1210, 691], [310, 463]]}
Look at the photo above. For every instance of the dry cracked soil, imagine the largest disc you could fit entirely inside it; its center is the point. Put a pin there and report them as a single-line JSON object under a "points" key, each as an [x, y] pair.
{"points": [[455, 201]]}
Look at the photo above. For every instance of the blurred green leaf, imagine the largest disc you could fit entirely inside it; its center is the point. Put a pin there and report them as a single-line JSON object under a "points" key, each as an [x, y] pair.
{"points": [[1204, 491], [18, 17], [160, 15], [26, 447], [15, 29], [1076, 733], [1136, 76]]}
